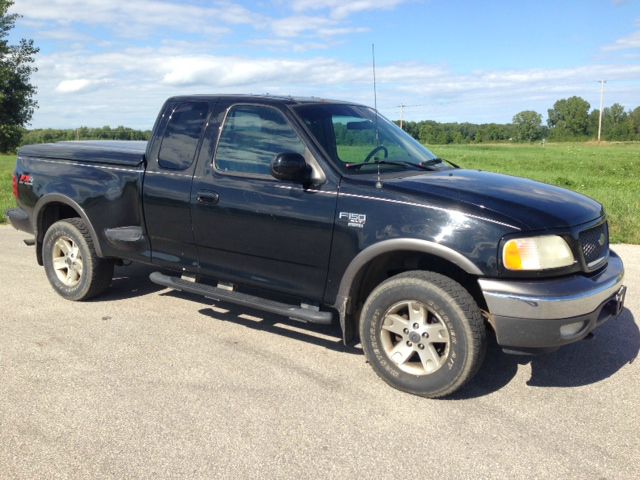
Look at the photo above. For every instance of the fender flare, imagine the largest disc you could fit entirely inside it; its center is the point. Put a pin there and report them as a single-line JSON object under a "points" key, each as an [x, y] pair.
{"points": [[46, 200], [386, 246]]}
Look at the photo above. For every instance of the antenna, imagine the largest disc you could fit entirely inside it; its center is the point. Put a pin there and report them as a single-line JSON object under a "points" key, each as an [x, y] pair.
{"points": [[375, 93], [375, 106]]}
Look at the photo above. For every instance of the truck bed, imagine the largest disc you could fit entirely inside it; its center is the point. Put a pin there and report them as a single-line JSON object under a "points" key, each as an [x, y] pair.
{"points": [[113, 152]]}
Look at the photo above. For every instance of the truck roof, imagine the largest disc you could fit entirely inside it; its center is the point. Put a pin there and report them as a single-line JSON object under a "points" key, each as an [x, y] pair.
{"points": [[263, 98]]}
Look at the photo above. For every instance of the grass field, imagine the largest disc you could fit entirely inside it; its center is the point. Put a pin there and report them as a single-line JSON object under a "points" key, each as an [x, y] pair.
{"points": [[610, 173], [7, 164]]}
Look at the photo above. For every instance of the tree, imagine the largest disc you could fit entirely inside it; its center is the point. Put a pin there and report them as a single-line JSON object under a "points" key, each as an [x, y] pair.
{"points": [[634, 118], [569, 118], [527, 126], [17, 102], [616, 123]]}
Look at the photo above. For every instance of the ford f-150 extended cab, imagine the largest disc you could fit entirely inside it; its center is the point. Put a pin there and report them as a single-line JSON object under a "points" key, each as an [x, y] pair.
{"points": [[324, 211]]}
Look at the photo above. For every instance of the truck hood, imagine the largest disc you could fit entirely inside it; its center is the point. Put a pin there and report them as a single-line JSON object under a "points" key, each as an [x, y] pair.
{"points": [[528, 204]]}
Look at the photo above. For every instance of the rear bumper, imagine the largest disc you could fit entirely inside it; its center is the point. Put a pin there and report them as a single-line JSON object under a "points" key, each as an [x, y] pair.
{"points": [[538, 315], [20, 220]]}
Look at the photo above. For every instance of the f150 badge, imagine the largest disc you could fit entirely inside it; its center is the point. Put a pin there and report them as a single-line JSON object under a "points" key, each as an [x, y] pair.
{"points": [[356, 220]]}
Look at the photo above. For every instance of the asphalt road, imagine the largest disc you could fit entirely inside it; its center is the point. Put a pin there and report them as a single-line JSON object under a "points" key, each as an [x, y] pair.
{"points": [[146, 383]]}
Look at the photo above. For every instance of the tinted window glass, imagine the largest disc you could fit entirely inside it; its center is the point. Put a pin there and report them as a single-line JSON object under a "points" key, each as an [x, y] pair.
{"points": [[181, 136], [251, 137]]}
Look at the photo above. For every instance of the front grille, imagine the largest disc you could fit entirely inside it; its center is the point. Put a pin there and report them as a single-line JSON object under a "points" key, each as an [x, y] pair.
{"points": [[595, 245]]}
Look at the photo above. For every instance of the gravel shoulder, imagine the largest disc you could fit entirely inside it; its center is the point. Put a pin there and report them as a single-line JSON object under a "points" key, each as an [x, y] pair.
{"points": [[148, 383]]}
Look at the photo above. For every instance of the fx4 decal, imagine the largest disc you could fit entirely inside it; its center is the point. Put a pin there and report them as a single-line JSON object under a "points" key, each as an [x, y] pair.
{"points": [[356, 220]]}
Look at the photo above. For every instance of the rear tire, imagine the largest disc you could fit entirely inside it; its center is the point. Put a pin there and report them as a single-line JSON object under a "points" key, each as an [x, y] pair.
{"points": [[423, 333], [71, 263]]}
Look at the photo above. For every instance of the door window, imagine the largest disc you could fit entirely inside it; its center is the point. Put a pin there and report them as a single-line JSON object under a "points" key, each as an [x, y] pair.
{"points": [[181, 135], [251, 137]]}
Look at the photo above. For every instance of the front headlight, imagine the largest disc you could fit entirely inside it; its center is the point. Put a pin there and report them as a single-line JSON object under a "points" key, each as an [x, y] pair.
{"points": [[536, 253]]}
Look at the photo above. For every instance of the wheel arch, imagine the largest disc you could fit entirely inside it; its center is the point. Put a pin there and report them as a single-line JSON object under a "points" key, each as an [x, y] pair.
{"points": [[381, 260], [53, 207]]}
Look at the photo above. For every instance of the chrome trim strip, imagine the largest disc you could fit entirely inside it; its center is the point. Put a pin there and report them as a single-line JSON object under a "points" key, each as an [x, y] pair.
{"points": [[169, 174], [71, 162], [105, 167], [597, 261], [553, 298]]}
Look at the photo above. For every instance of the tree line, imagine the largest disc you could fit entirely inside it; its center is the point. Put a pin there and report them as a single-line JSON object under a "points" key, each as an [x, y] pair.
{"points": [[48, 135], [570, 119]]}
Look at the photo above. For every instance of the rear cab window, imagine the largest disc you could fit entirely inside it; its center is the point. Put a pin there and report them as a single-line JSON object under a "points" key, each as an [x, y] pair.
{"points": [[182, 134]]}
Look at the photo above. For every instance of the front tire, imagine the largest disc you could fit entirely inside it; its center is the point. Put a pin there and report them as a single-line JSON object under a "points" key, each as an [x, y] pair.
{"points": [[423, 333], [71, 263]]}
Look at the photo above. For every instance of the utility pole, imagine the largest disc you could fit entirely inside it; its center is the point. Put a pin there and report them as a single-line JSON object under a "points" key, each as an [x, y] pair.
{"points": [[602, 82], [402, 105]]}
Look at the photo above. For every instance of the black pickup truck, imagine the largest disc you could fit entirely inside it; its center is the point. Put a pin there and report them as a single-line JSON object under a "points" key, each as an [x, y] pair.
{"points": [[323, 212]]}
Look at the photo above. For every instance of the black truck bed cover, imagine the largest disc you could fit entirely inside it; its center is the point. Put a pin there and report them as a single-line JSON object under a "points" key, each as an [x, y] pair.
{"points": [[113, 152]]}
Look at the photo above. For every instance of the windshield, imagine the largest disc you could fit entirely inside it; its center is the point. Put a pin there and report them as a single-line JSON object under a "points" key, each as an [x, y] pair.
{"points": [[359, 141]]}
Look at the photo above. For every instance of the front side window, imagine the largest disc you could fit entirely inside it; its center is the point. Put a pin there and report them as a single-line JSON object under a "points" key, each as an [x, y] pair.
{"points": [[251, 137], [182, 134]]}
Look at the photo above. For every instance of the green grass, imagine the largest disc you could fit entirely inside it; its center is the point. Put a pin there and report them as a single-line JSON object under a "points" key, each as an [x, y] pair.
{"points": [[609, 173], [7, 165]]}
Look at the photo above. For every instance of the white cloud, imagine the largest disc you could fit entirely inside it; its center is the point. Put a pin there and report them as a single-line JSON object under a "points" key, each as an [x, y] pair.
{"points": [[135, 82], [137, 17], [74, 86], [342, 8], [297, 25], [63, 35], [287, 44], [628, 42]]}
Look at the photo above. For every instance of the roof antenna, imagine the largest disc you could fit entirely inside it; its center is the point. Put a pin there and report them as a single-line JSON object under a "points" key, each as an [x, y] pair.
{"points": [[375, 107]]}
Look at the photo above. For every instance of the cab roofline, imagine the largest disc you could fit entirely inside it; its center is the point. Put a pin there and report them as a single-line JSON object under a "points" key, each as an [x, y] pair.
{"points": [[263, 98]]}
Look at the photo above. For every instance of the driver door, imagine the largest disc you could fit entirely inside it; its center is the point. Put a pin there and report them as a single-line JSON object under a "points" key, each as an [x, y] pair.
{"points": [[255, 230]]}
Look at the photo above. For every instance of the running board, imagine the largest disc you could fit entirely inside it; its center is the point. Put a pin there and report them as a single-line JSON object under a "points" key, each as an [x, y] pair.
{"points": [[292, 311]]}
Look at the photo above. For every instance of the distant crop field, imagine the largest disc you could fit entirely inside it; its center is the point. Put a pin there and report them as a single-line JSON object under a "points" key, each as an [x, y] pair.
{"points": [[610, 173]]}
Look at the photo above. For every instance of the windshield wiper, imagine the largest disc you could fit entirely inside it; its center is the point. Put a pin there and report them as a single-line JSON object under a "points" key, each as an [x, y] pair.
{"points": [[419, 166], [435, 161]]}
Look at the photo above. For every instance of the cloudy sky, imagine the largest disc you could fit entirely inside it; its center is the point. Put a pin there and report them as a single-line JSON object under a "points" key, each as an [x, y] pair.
{"points": [[113, 62]]}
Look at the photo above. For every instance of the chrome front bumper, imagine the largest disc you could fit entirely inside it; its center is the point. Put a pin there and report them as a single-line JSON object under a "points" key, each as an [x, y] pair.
{"points": [[532, 313]]}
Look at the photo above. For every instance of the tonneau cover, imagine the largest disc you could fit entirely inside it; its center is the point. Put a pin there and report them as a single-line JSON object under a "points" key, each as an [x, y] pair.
{"points": [[113, 152]]}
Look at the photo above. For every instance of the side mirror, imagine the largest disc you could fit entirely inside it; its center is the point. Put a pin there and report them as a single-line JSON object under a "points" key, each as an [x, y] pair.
{"points": [[291, 167]]}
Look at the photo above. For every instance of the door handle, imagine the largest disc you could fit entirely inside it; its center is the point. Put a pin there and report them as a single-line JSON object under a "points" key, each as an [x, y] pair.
{"points": [[207, 198]]}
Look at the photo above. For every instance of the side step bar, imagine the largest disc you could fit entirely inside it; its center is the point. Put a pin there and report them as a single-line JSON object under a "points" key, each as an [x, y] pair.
{"points": [[292, 311]]}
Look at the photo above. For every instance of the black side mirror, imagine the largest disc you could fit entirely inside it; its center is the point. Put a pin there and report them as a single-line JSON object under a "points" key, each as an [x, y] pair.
{"points": [[291, 167]]}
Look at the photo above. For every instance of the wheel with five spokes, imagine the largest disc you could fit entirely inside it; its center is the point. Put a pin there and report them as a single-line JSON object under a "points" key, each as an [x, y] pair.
{"points": [[423, 333], [71, 263]]}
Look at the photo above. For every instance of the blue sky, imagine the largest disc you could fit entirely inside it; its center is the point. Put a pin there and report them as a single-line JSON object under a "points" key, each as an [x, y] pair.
{"points": [[113, 62]]}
